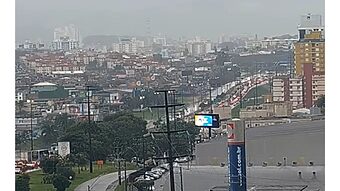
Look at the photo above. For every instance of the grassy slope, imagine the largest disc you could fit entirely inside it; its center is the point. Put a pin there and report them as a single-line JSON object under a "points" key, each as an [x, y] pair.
{"points": [[36, 177], [261, 90]]}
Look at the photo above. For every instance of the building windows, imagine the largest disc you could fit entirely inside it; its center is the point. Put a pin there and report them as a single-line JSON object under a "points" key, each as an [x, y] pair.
{"points": [[317, 49], [306, 54], [307, 59], [306, 44]]}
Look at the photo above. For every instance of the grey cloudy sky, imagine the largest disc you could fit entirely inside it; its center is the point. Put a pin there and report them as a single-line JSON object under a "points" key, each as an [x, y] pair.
{"points": [[207, 18]]}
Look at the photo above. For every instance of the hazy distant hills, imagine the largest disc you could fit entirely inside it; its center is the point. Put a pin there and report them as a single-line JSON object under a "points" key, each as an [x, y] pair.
{"points": [[285, 36]]}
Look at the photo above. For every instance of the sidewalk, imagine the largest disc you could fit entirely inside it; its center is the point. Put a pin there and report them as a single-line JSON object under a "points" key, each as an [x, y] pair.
{"points": [[101, 183]]}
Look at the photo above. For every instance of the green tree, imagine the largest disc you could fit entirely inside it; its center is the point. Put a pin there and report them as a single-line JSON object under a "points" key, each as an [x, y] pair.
{"points": [[118, 130], [21, 138], [54, 127], [61, 182], [48, 165], [22, 182], [183, 142]]}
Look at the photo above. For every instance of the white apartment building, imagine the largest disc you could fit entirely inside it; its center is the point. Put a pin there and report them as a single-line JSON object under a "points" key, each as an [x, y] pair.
{"points": [[24, 124], [65, 43], [318, 87], [125, 46], [296, 92], [278, 90], [159, 40], [70, 31], [198, 48], [288, 89]]}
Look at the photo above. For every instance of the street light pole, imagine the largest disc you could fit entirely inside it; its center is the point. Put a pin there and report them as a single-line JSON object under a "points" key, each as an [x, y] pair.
{"points": [[125, 178], [255, 95], [181, 176], [211, 109], [89, 119], [143, 150], [31, 111], [241, 87]]}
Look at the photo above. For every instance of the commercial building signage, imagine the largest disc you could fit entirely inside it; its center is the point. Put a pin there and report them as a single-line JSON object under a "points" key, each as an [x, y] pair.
{"points": [[64, 148], [237, 156]]}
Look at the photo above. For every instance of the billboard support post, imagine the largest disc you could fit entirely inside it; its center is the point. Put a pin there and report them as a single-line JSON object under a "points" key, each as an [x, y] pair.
{"points": [[236, 155], [211, 109]]}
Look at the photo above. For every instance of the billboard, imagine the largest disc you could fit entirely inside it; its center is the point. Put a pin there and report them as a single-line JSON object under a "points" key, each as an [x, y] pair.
{"points": [[63, 148], [207, 120]]}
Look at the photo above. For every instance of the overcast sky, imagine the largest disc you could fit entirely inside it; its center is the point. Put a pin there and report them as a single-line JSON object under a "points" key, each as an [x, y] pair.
{"points": [[36, 19]]}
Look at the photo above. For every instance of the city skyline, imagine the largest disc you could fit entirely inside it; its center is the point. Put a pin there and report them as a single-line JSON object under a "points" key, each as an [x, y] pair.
{"points": [[174, 19]]}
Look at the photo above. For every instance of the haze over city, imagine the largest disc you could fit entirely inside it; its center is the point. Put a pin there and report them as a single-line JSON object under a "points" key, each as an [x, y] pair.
{"points": [[36, 19], [189, 95]]}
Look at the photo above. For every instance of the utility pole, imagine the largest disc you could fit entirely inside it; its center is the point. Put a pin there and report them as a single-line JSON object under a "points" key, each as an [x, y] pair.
{"points": [[181, 175], [170, 157], [119, 173], [125, 179], [240, 94], [172, 180], [193, 98], [31, 111], [255, 94], [89, 119], [143, 150], [31, 116], [174, 102]]}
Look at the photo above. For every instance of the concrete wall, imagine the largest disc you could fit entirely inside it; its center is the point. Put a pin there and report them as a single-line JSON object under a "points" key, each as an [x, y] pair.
{"points": [[224, 112]]}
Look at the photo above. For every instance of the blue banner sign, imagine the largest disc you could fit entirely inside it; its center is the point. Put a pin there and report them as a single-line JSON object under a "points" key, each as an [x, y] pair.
{"points": [[237, 168]]}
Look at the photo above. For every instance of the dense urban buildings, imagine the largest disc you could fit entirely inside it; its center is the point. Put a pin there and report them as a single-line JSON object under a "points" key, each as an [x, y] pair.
{"points": [[306, 85], [260, 81]]}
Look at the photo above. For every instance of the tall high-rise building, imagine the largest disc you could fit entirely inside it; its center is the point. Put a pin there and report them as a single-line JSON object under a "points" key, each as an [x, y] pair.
{"points": [[308, 84], [197, 48], [125, 46], [310, 23], [310, 48], [66, 38], [70, 31]]}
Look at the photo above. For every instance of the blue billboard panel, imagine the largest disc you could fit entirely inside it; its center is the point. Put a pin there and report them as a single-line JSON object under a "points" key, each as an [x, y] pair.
{"points": [[207, 120], [237, 167]]}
